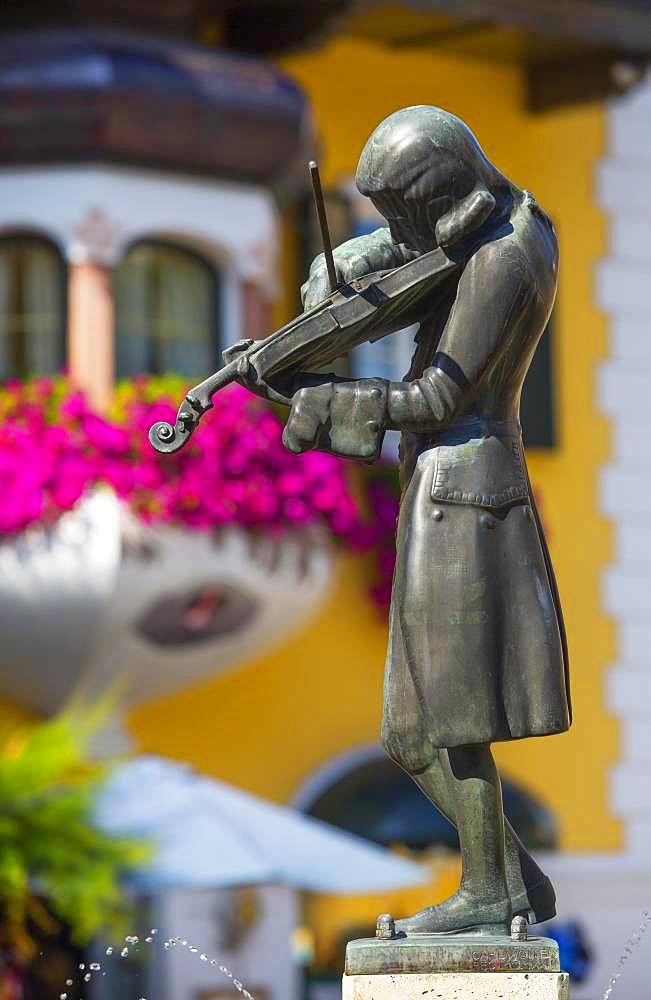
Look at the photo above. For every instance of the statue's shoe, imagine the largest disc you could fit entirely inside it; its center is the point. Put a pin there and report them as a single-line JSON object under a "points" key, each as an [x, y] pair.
{"points": [[459, 914], [537, 903]]}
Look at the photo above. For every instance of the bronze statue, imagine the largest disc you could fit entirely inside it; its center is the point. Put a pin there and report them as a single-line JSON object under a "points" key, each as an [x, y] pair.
{"points": [[477, 649]]}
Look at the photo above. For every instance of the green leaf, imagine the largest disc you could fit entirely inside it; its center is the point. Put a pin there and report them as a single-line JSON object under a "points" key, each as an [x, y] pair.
{"points": [[49, 848]]}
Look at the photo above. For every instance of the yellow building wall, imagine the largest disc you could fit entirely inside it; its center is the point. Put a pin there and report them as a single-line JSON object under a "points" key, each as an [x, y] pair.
{"points": [[268, 725]]}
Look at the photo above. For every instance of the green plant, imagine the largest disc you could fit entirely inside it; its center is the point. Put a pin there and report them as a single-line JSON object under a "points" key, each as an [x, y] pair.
{"points": [[53, 862]]}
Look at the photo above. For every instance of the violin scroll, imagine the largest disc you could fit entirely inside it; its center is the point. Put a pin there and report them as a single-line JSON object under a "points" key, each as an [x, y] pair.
{"points": [[167, 438]]}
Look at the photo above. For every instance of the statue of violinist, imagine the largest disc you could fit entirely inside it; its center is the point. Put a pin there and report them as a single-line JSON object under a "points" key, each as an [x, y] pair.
{"points": [[477, 649]]}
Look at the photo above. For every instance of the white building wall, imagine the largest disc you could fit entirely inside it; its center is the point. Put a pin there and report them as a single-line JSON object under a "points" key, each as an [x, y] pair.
{"points": [[262, 960], [607, 894], [257, 952], [95, 212], [623, 285]]}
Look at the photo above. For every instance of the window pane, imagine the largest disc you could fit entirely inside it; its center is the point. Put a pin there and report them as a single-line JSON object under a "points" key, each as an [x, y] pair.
{"points": [[166, 312], [537, 406], [32, 307]]}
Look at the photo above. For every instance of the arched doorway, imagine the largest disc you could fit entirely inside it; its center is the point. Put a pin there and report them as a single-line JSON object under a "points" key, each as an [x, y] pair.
{"points": [[375, 799], [32, 306], [166, 311]]}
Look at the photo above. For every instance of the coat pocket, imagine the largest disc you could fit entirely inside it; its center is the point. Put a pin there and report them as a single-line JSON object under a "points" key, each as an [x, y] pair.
{"points": [[484, 471]]}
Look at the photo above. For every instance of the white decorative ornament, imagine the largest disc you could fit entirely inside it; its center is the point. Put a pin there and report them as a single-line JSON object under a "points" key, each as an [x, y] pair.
{"points": [[101, 597]]}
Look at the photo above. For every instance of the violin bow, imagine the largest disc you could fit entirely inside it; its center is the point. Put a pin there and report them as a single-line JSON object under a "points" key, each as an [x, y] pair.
{"points": [[323, 223]]}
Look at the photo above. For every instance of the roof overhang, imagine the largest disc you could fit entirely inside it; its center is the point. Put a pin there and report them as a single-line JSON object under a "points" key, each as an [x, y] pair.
{"points": [[622, 24], [80, 95], [570, 51]]}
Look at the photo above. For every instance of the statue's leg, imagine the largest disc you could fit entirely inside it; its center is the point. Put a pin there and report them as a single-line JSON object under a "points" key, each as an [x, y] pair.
{"points": [[482, 901], [405, 739], [531, 893]]}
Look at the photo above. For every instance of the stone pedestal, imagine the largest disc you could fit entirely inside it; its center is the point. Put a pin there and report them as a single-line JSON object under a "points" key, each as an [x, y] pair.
{"points": [[454, 967], [459, 986]]}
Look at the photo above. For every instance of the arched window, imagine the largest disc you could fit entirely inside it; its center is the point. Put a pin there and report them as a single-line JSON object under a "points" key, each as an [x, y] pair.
{"points": [[32, 307], [166, 300]]}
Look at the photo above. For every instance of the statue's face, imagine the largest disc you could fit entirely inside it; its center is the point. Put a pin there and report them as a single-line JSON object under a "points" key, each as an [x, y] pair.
{"points": [[413, 222], [402, 231]]}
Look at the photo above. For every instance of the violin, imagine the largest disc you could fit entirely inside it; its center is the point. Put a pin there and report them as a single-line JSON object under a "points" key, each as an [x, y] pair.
{"points": [[366, 309]]}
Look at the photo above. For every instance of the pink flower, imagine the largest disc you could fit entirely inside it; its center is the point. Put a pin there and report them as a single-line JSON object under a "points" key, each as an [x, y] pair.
{"points": [[103, 436], [235, 470]]}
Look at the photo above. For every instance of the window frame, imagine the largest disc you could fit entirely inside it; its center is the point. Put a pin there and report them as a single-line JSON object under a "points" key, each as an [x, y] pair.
{"points": [[17, 235], [217, 280]]}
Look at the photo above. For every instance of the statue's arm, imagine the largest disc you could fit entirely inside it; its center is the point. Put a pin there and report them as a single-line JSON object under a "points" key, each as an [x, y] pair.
{"points": [[353, 259], [356, 257], [494, 292]]}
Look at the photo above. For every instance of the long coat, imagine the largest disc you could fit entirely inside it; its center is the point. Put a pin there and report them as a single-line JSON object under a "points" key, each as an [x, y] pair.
{"points": [[477, 648]]}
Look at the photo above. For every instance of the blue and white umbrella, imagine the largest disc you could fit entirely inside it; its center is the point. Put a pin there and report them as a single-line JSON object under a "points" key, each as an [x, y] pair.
{"points": [[207, 834]]}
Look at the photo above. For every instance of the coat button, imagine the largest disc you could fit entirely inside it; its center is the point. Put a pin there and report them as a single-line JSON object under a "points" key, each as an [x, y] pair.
{"points": [[373, 426], [487, 521], [375, 392], [437, 514]]}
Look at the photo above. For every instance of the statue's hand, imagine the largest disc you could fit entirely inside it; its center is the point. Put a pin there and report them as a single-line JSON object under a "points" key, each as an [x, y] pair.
{"points": [[353, 259], [317, 287], [236, 350], [308, 418], [345, 418]]}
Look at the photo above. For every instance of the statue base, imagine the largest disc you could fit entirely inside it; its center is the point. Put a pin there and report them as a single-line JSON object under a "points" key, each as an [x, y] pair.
{"points": [[456, 967], [419, 953], [459, 986]]}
